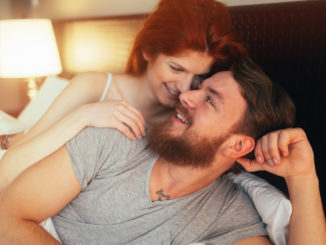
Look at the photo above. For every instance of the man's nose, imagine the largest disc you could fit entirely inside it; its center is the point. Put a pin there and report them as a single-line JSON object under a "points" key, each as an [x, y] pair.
{"points": [[190, 98], [185, 83]]}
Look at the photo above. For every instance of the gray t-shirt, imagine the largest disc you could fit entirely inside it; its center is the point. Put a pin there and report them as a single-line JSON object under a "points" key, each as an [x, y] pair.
{"points": [[114, 206]]}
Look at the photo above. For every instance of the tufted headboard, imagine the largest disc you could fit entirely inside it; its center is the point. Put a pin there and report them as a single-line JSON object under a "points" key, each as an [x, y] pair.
{"points": [[287, 39]]}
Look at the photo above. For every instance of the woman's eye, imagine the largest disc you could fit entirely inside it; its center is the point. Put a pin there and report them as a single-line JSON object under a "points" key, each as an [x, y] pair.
{"points": [[175, 68]]}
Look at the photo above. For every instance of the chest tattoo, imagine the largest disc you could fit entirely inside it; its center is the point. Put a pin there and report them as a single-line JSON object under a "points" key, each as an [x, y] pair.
{"points": [[162, 196]]}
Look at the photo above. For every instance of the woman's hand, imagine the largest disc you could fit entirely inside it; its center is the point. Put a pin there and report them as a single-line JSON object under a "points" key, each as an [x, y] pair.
{"points": [[286, 153], [116, 114]]}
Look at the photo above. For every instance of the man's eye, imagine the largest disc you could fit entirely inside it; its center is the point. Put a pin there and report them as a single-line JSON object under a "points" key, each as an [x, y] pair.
{"points": [[209, 100]]}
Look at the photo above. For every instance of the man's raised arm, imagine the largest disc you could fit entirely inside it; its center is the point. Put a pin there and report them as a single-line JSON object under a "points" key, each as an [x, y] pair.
{"points": [[287, 153], [37, 194]]}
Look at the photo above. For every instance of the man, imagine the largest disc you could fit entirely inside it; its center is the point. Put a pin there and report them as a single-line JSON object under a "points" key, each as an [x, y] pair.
{"points": [[102, 188]]}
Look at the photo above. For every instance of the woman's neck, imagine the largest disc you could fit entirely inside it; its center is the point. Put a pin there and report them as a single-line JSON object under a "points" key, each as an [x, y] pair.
{"points": [[141, 96]]}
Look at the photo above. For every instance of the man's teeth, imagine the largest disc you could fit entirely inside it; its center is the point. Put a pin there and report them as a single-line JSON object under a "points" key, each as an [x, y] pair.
{"points": [[181, 118]]}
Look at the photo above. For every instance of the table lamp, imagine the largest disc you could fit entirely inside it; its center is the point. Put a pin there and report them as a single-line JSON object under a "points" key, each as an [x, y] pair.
{"points": [[28, 50]]}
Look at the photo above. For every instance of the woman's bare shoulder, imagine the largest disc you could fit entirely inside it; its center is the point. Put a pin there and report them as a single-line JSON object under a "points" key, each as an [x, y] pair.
{"points": [[123, 86], [91, 76]]}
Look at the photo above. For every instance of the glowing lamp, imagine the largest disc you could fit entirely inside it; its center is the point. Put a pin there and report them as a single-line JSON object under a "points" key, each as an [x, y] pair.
{"points": [[28, 50]]}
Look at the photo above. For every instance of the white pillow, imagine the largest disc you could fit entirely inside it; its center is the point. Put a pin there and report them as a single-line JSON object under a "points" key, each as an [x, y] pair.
{"points": [[49, 227], [2, 152], [272, 205], [49, 90], [10, 125]]}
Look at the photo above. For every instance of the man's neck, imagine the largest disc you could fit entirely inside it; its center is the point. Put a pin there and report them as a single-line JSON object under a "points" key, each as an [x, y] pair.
{"points": [[170, 181]]}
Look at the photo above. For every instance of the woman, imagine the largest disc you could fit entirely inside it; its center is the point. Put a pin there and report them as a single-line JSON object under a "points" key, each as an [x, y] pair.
{"points": [[181, 40]]}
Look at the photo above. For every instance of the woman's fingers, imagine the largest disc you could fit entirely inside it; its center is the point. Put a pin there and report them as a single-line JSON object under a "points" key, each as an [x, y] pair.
{"points": [[135, 115], [136, 112], [133, 120], [125, 130], [119, 115]]}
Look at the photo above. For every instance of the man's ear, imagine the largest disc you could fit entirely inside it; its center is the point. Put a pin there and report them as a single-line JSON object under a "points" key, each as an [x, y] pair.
{"points": [[239, 146]]}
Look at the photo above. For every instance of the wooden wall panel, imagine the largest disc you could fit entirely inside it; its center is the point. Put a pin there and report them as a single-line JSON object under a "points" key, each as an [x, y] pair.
{"points": [[96, 45]]}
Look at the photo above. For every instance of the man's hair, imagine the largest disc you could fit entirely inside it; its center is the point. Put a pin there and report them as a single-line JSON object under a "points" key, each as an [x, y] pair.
{"points": [[269, 107]]}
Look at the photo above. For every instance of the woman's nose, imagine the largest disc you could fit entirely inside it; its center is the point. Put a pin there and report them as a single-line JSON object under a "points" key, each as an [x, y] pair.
{"points": [[190, 98], [185, 83]]}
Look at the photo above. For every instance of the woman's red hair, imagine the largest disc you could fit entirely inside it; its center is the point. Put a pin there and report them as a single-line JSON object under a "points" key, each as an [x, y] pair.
{"points": [[179, 25]]}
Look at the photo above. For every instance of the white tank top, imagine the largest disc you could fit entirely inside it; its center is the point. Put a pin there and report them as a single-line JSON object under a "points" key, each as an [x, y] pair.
{"points": [[107, 86]]}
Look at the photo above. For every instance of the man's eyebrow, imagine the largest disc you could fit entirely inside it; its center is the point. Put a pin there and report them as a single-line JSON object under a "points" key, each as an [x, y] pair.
{"points": [[216, 94]]}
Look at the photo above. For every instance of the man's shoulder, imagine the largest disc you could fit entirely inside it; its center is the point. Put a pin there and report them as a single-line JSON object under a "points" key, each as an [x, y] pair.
{"points": [[232, 214], [234, 195], [100, 136], [112, 142]]}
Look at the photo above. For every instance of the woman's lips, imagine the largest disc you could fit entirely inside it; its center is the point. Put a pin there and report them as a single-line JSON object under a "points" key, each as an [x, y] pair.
{"points": [[171, 93]]}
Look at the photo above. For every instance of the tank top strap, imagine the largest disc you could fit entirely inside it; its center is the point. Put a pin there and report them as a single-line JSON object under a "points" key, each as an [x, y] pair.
{"points": [[107, 86]]}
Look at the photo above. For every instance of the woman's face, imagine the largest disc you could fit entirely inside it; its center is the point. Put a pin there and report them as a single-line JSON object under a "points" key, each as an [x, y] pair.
{"points": [[168, 76]]}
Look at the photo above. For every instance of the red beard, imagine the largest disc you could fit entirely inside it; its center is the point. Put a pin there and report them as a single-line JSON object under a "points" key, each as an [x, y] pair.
{"points": [[188, 149]]}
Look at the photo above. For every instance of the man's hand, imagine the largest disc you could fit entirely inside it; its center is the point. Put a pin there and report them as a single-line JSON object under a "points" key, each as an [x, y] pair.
{"points": [[285, 153]]}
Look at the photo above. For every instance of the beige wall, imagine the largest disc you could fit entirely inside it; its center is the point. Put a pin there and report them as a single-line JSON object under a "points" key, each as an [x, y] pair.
{"points": [[58, 9], [63, 9], [4, 9], [13, 95]]}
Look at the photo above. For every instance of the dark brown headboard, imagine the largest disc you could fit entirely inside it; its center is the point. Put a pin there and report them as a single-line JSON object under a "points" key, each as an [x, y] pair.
{"points": [[289, 41]]}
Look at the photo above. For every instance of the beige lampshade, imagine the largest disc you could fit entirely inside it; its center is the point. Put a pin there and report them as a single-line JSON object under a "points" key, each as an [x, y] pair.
{"points": [[28, 49]]}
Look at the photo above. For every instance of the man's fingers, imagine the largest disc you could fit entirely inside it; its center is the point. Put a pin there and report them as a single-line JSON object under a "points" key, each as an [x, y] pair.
{"points": [[268, 150], [283, 143], [254, 166], [265, 149], [250, 165], [273, 148], [259, 152]]}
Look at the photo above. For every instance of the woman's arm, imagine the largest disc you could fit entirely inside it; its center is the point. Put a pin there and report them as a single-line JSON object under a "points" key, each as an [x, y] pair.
{"points": [[21, 156], [82, 89], [111, 114]]}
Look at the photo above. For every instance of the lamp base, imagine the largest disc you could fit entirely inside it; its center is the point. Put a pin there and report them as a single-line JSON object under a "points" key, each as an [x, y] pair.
{"points": [[32, 88]]}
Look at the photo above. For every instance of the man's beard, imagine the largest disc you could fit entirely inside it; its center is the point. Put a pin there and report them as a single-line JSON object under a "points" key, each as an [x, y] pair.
{"points": [[187, 149]]}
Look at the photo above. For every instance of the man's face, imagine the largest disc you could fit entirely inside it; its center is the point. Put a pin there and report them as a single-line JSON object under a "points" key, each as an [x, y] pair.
{"points": [[204, 119]]}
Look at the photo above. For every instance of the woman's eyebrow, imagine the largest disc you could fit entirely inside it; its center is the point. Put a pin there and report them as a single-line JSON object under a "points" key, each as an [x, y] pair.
{"points": [[178, 66]]}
